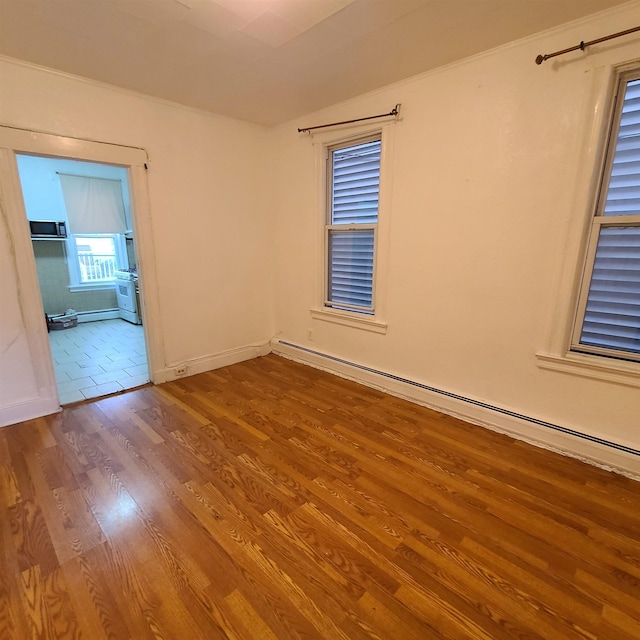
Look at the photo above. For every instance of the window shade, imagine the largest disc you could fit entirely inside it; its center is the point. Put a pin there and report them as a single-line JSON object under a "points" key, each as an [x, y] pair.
{"points": [[351, 267], [612, 317], [356, 184], [623, 192], [94, 205]]}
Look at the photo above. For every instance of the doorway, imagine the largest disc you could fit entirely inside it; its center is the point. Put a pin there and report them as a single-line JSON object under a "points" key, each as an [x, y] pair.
{"points": [[87, 274], [27, 378]]}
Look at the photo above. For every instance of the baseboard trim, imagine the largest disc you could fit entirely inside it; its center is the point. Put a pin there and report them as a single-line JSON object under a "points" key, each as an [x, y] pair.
{"points": [[212, 361], [28, 410], [610, 455]]}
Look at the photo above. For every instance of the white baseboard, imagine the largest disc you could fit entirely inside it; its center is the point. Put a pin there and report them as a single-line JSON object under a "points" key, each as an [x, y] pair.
{"points": [[609, 455], [210, 362], [102, 314], [28, 410]]}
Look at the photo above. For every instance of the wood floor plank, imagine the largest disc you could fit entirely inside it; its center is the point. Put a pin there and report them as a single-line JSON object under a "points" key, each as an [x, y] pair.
{"points": [[9, 490], [13, 616], [40, 624], [91, 598], [272, 500], [247, 618]]}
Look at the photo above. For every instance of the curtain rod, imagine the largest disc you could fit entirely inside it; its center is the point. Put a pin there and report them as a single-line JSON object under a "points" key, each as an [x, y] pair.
{"points": [[541, 58], [394, 112], [77, 175]]}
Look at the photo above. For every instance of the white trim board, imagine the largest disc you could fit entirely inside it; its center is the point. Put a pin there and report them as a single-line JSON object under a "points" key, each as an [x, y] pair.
{"points": [[595, 451], [210, 362], [28, 410]]}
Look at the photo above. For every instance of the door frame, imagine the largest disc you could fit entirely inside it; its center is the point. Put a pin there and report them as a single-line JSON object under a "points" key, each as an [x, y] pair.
{"points": [[14, 140]]}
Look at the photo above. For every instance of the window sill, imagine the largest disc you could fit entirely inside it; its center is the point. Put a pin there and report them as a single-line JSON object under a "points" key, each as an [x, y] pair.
{"points": [[76, 288], [349, 320], [595, 367]]}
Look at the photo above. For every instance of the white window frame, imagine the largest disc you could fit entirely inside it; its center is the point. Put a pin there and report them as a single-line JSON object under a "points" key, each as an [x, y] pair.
{"points": [[346, 228], [554, 353], [601, 221], [374, 321], [73, 262]]}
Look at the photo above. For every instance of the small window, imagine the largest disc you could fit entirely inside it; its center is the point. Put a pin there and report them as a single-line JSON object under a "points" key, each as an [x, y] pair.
{"points": [[352, 222], [94, 258], [608, 318]]}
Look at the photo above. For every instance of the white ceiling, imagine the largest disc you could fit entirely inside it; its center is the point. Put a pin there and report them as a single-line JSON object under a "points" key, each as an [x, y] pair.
{"points": [[266, 61]]}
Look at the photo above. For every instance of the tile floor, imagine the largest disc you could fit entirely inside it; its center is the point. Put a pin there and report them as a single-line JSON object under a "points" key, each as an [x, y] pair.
{"points": [[98, 358]]}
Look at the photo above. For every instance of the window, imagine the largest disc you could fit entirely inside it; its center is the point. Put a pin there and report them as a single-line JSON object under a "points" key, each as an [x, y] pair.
{"points": [[351, 225], [95, 257], [608, 318]]}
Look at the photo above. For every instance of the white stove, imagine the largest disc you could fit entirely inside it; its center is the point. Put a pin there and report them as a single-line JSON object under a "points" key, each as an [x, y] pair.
{"points": [[126, 294], [126, 274]]}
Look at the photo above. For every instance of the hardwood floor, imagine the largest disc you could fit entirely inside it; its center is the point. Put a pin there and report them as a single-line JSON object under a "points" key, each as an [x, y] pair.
{"points": [[271, 500]]}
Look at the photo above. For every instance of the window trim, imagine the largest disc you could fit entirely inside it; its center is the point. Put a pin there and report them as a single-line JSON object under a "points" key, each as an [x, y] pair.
{"points": [[323, 141], [353, 320], [600, 221], [554, 353], [587, 365]]}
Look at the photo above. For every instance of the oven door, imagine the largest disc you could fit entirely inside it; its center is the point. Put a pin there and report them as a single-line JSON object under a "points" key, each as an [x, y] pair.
{"points": [[126, 295]]}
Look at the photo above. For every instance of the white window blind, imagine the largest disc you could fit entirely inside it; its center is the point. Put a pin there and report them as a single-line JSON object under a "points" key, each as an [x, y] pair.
{"points": [[623, 189], [94, 205], [610, 322], [352, 225]]}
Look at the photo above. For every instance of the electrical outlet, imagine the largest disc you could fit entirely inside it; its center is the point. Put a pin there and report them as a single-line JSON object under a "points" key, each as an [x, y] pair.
{"points": [[310, 334], [180, 370]]}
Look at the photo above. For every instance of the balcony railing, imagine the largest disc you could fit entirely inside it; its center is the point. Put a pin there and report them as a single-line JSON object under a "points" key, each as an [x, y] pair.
{"points": [[96, 267]]}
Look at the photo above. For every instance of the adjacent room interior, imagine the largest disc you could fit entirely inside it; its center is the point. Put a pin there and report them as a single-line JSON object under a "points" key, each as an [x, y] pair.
{"points": [[354, 352], [87, 273]]}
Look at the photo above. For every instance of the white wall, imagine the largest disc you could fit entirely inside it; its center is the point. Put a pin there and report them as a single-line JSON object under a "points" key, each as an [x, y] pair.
{"points": [[492, 183], [207, 195]]}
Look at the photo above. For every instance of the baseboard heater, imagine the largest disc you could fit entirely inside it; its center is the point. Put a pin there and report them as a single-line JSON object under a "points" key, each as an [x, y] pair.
{"points": [[477, 403], [99, 314]]}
